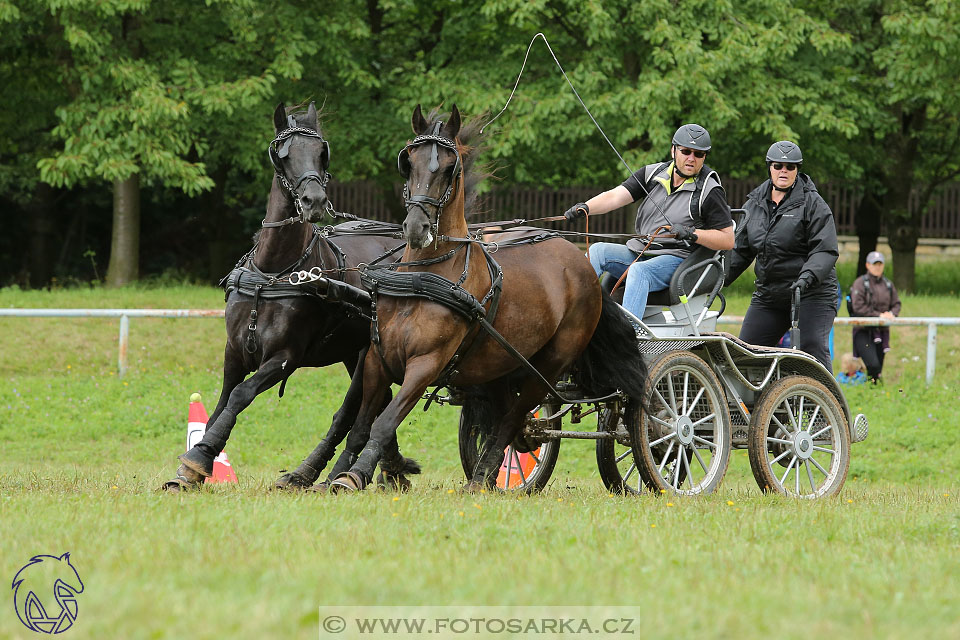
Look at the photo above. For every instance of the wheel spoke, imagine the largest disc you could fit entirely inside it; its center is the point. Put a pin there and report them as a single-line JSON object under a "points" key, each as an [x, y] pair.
{"points": [[787, 472], [697, 438], [704, 419], [796, 479], [676, 469], [686, 385], [660, 421], [779, 441], [672, 394], [813, 418], [695, 400], [534, 455], [630, 471], [800, 415], [623, 455], [793, 420], [666, 437], [777, 459], [779, 424], [826, 428], [666, 404], [686, 466], [824, 449], [813, 486], [700, 460], [663, 462], [523, 477], [817, 465], [510, 453]]}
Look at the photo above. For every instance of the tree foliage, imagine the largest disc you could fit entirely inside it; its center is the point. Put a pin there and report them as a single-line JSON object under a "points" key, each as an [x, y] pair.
{"points": [[179, 93]]}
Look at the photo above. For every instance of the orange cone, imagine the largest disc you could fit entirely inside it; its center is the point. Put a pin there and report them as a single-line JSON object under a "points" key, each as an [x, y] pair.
{"points": [[196, 424]]}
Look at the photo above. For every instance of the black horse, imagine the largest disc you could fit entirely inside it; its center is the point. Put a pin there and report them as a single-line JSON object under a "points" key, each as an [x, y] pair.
{"points": [[274, 327]]}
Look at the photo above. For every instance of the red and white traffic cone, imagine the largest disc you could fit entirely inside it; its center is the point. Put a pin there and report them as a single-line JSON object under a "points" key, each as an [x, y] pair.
{"points": [[196, 424]]}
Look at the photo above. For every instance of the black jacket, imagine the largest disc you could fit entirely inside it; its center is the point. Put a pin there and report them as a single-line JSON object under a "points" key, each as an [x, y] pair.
{"points": [[797, 237]]}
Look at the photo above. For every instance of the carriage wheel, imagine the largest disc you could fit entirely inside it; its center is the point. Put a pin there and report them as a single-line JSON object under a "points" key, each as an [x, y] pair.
{"points": [[526, 472], [618, 470], [682, 442], [799, 443]]}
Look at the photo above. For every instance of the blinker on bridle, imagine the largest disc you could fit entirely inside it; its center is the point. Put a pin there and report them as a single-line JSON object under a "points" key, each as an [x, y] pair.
{"points": [[278, 150], [435, 140]]}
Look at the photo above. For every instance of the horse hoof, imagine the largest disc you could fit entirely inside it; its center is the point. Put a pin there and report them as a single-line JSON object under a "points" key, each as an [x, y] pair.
{"points": [[197, 462], [291, 480], [180, 484], [320, 487], [347, 482], [473, 487], [393, 482]]}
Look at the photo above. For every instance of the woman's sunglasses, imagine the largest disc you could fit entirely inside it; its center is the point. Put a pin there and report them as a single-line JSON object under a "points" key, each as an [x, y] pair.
{"points": [[696, 154], [789, 166]]}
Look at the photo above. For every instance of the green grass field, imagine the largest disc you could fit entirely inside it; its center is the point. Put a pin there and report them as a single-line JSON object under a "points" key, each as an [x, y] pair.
{"points": [[83, 452]]}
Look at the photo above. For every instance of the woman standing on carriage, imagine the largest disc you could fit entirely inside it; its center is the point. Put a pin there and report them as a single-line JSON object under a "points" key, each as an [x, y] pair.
{"points": [[790, 231], [683, 194]]}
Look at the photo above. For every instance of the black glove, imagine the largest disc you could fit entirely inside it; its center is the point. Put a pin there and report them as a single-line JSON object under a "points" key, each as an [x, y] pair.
{"points": [[803, 283], [578, 210], [684, 234]]}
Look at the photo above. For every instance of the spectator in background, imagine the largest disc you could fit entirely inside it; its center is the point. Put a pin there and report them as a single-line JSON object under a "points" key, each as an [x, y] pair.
{"points": [[873, 296], [851, 370]]}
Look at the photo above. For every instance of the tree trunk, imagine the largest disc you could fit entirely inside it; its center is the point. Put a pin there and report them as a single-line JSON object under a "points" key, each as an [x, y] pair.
{"points": [[867, 221], [903, 234], [124, 265]]}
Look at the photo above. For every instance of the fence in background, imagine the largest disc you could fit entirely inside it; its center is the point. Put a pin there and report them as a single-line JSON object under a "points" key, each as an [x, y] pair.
{"points": [[125, 314], [367, 200]]}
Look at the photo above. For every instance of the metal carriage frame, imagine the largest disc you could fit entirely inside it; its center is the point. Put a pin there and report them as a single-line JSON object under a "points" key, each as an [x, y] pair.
{"points": [[708, 394]]}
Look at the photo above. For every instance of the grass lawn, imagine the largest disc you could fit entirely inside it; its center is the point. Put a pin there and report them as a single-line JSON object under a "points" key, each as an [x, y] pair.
{"points": [[83, 452]]}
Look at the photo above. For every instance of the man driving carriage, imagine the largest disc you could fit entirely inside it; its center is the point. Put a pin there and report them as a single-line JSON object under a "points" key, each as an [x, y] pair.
{"points": [[683, 194]]}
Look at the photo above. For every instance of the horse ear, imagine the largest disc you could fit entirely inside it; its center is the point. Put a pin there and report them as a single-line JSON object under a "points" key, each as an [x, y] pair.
{"points": [[418, 122], [312, 116], [280, 118], [452, 128]]}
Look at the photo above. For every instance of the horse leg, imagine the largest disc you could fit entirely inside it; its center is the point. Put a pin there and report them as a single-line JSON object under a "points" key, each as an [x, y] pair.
{"points": [[197, 463], [417, 376], [234, 372], [311, 467]]}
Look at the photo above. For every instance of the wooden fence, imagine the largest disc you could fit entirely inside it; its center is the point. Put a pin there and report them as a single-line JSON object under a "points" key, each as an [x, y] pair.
{"points": [[366, 200]]}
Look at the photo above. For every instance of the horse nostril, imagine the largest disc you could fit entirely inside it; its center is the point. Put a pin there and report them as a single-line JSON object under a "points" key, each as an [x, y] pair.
{"points": [[306, 200]]}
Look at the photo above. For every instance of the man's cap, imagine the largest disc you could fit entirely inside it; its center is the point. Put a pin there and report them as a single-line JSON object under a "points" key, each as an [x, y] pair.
{"points": [[875, 256]]}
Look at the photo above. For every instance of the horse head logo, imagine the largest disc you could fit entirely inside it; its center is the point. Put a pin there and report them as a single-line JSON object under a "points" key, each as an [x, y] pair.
{"points": [[45, 593]]}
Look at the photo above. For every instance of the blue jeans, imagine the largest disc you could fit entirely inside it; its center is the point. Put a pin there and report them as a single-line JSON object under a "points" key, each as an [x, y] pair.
{"points": [[646, 275]]}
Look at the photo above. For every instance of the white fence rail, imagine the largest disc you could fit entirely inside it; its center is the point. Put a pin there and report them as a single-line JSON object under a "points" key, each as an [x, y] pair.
{"points": [[123, 314], [126, 314]]}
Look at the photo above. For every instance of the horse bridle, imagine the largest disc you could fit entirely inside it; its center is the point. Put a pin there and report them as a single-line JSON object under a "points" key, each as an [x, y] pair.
{"points": [[403, 166], [278, 150]]}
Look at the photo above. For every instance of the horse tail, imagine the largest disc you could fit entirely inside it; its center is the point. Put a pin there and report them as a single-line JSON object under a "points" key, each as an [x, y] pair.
{"points": [[612, 360]]}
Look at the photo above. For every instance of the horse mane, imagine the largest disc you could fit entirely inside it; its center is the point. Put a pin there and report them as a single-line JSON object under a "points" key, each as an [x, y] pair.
{"points": [[471, 143]]}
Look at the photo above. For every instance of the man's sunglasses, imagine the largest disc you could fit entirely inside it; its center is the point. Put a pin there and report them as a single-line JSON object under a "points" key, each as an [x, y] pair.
{"points": [[696, 154], [789, 166]]}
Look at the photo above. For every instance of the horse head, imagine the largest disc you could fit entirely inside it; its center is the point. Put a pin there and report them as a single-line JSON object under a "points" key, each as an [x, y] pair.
{"points": [[301, 157], [432, 166]]}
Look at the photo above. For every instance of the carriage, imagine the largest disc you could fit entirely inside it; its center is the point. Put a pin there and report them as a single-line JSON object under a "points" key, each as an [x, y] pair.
{"points": [[702, 393], [708, 393]]}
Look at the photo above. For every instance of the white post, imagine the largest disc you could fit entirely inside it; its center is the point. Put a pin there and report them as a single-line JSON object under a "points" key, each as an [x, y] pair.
{"points": [[124, 339], [931, 350]]}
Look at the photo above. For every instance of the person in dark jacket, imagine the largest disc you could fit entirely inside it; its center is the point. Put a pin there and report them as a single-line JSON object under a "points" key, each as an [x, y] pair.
{"points": [[683, 194], [873, 296], [790, 231]]}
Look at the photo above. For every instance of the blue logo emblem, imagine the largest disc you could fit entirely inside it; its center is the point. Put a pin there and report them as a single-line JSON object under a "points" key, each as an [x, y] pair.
{"points": [[45, 593]]}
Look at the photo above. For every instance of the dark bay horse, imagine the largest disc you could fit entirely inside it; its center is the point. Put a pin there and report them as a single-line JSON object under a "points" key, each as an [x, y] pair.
{"points": [[550, 309], [271, 328]]}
